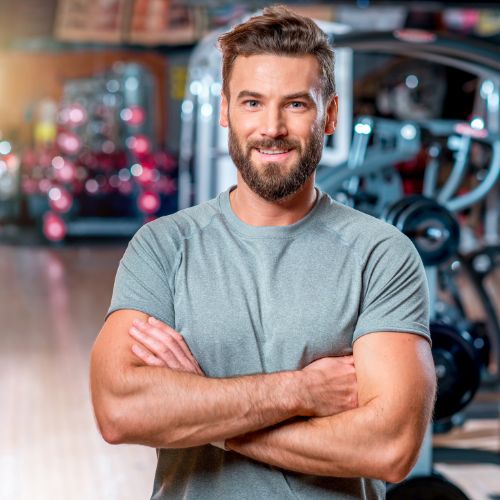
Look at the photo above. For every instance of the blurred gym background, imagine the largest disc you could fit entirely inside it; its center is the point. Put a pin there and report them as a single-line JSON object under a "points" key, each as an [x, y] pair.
{"points": [[108, 119]]}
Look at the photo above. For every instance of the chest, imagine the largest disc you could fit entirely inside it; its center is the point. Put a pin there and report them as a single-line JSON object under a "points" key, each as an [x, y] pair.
{"points": [[254, 307]]}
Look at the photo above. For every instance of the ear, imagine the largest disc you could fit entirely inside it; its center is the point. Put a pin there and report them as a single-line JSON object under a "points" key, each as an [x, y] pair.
{"points": [[331, 116], [224, 111]]}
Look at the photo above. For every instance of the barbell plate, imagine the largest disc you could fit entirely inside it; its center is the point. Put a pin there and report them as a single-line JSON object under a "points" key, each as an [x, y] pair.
{"points": [[458, 369], [393, 210], [433, 230]]}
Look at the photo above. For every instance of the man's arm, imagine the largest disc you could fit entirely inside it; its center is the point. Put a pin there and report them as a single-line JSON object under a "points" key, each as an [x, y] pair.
{"points": [[379, 439], [163, 407]]}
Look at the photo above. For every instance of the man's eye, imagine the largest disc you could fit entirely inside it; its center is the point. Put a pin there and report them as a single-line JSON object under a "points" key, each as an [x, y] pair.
{"points": [[251, 103], [297, 105]]}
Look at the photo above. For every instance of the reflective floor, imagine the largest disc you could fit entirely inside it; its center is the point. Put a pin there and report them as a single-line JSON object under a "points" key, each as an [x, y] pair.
{"points": [[52, 304]]}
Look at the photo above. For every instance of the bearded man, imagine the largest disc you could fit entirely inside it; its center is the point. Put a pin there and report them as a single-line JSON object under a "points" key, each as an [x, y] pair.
{"points": [[270, 343]]}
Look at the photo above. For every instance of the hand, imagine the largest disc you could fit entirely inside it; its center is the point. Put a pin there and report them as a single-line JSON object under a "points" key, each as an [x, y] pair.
{"points": [[330, 386], [161, 345]]}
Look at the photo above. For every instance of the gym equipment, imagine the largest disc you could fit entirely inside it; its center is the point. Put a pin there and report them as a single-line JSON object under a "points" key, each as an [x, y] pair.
{"points": [[102, 174], [458, 368], [377, 145], [475, 268], [481, 341], [9, 181], [433, 487], [452, 312], [54, 227], [374, 162], [431, 227], [478, 266]]}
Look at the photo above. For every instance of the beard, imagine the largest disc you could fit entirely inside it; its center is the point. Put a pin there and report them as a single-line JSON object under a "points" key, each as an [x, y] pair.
{"points": [[272, 181]]}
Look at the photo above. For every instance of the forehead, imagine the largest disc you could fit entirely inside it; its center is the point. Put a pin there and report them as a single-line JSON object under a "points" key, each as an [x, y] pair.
{"points": [[271, 74]]}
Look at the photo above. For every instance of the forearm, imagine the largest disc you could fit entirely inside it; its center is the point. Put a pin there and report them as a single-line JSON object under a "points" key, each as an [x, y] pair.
{"points": [[165, 408], [379, 439], [356, 443], [158, 396]]}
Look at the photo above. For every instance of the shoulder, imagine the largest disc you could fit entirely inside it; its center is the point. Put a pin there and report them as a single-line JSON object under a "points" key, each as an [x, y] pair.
{"points": [[362, 233], [174, 228]]}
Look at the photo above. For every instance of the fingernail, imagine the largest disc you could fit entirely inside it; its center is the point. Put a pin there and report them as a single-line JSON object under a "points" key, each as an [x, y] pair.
{"points": [[152, 320], [138, 322]]}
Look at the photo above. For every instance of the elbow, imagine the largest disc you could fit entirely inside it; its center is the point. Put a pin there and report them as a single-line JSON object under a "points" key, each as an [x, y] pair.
{"points": [[118, 424], [109, 429], [110, 432], [395, 474], [398, 463], [112, 419], [110, 422]]}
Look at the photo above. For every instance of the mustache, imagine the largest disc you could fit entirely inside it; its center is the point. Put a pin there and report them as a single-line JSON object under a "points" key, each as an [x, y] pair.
{"points": [[273, 143]]}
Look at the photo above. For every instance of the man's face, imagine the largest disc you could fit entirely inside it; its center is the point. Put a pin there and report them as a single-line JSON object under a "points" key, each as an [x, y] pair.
{"points": [[277, 120]]}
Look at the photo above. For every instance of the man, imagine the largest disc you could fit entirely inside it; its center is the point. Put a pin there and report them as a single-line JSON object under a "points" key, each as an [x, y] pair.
{"points": [[235, 325]]}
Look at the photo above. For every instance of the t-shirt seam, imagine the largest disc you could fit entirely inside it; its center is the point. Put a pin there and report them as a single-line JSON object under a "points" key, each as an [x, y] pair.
{"points": [[349, 244], [178, 255], [201, 229], [425, 333], [384, 328], [157, 256]]}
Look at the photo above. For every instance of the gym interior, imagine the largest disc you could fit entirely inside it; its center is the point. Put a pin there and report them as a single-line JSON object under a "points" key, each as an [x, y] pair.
{"points": [[109, 119]]}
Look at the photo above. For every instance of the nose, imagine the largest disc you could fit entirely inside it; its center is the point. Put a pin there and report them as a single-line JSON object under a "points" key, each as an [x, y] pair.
{"points": [[273, 124]]}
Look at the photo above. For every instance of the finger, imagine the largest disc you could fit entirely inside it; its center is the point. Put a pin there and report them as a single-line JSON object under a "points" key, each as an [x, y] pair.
{"points": [[179, 339], [170, 344], [164, 349], [176, 335], [146, 356], [165, 342], [167, 348], [158, 348], [163, 326]]}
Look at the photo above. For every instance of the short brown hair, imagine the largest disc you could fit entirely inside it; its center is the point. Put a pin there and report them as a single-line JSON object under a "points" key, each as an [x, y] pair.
{"points": [[278, 31]]}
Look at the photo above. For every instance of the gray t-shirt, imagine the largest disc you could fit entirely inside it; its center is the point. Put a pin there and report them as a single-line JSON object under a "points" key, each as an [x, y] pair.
{"points": [[253, 299]]}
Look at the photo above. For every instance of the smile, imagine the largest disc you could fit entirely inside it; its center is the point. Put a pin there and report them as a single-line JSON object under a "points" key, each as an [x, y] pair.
{"points": [[275, 154], [273, 151]]}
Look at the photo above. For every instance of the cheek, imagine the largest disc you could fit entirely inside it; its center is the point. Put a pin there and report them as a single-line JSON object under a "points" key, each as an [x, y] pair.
{"points": [[303, 126], [248, 124], [242, 123]]}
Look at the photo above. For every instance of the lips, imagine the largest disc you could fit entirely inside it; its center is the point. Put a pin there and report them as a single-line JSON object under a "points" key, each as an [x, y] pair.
{"points": [[273, 151], [273, 154]]}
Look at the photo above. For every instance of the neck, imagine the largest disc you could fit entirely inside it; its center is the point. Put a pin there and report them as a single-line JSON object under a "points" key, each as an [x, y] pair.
{"points": [[255, 211]]}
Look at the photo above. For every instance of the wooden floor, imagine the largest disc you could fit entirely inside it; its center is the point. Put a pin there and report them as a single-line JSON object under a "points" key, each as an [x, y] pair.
{"points": [[52, 304]]}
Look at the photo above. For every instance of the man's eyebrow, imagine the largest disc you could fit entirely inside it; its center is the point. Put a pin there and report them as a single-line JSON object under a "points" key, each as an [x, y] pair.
{"points": [[249, 93], [297, 95]]}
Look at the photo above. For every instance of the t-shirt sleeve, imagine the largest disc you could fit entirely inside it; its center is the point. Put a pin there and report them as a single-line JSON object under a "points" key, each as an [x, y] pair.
{"points": [[395, 296], [144, 278]]}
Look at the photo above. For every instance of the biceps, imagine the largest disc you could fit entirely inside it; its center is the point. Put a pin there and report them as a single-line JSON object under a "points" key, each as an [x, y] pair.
{"points": [[398, 369], [111, 353]]}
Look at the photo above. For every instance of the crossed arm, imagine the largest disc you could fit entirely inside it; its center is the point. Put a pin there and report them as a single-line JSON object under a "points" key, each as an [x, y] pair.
{"points": [[164, 400]]}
